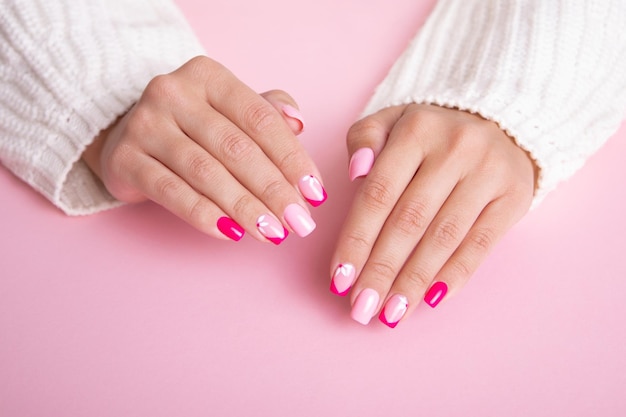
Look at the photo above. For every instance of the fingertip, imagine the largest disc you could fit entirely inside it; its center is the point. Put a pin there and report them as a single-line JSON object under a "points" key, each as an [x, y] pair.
{"points": [[436, 293], [361, 163], [230, 228], [287, 108], [293, 118]]}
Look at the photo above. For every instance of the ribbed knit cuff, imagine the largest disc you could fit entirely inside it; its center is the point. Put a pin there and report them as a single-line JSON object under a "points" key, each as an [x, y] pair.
{"points": [[550, 73], [73, 67]]}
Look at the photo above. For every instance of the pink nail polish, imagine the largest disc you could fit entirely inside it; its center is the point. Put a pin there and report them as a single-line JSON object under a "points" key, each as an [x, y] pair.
{"points": [[436, 293], [230, 228], [361, 163], [294, 113], [342, 280], [394, 310], [312, 190], [365, 306], [271, 229], [299, 220]]}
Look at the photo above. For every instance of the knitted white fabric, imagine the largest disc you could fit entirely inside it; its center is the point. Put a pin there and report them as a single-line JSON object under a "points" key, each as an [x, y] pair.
{"points": [[68, 69], [551, 73]]}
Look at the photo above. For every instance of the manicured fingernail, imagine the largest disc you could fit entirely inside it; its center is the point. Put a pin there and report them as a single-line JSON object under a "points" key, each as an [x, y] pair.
{"points": [[365, 306], [342, 280], [394, 310], [271, 229], [436, 293], [312, 189], [294, 113], [361, 163], [299, 220], [230, 228]]}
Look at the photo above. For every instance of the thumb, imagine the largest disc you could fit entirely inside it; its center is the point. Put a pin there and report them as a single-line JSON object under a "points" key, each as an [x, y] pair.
{"points": [[287, 107]]}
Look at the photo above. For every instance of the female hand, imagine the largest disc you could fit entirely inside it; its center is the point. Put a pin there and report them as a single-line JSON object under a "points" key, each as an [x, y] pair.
{"points": [[445, 187], [206, 147]]}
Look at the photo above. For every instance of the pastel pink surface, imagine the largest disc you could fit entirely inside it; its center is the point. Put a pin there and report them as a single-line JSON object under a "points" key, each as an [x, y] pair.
{"points": [[133, 313]]}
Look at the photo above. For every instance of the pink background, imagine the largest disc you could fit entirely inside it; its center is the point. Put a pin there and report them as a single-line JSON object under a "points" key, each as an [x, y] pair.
{"points": [[133, 313]]}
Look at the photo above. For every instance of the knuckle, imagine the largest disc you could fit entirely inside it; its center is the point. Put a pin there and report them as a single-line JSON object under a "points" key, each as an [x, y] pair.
{"points": [[482, 239], [416, 278], [383, 269], [121, 157], [272, 189], [200, 66], [447, 233], [411, 218], [200, 61], [259, 116], [460, 268], [290, 157], [461, 135], [357, 240], [235, 147], [166, 188], [366, 128], [521, 195], [201, 169], [140, 120], [376, 193], [164, 85], [241, 205]]}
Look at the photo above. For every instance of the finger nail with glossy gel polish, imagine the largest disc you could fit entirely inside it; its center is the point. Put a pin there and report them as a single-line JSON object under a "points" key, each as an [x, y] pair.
{"points": [[271, 229], [299, 220], [436, 293], [361, 163], [394, 310], [365, 306], [342, 280], [312, 189], [294, 113], [230, 228]]}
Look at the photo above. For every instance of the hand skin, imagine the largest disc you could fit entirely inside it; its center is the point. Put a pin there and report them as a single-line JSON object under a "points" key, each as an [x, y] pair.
{"points": [[203, 145], [445, 186]]}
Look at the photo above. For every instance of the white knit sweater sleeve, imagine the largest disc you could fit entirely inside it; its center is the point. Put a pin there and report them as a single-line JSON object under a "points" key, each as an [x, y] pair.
{"points": [[68, 69], [551, 73]]}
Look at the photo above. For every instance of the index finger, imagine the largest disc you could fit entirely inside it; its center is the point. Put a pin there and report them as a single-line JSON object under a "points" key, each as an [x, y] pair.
{"points": [[258, 119]]}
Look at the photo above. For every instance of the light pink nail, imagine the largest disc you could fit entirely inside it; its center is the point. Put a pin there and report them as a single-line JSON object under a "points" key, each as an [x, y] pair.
{"points": [[436, 293], [361, 163], [294, 113], [299, 220], [365, 306], [394, 310], [271, 229], [342, 280], [312, 190]]}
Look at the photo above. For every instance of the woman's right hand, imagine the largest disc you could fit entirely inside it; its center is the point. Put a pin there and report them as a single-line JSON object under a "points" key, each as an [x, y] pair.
{"points": [[206, 147]]}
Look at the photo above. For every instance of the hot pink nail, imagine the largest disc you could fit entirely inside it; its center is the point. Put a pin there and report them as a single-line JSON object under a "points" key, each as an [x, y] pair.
{"points": [[230, 228], [299, 220], [361, 163], [394, 310], [271, 229], [342, 280], [294, 113], [436, 293], [312, 190], [365, 306]]}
